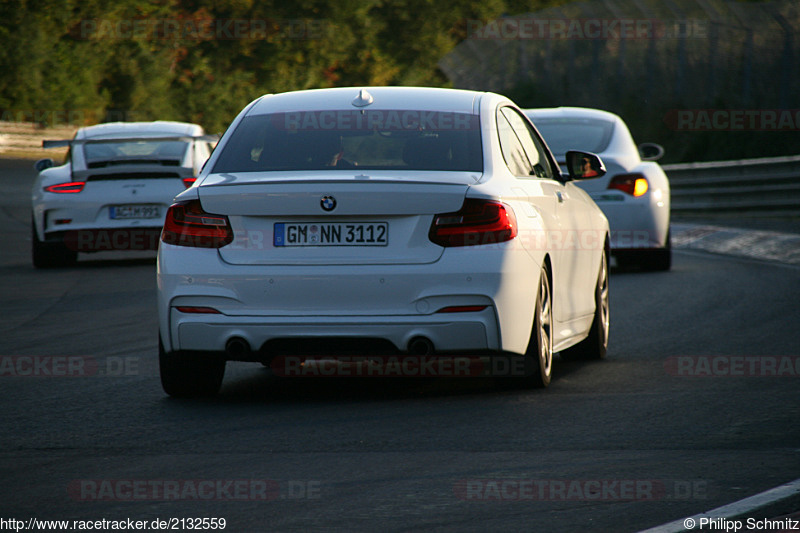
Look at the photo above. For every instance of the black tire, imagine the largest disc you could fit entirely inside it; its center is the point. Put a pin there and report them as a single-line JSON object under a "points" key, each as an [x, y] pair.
{"points": [[190, 374], [595, 345], [539, 354], [50, 255]]}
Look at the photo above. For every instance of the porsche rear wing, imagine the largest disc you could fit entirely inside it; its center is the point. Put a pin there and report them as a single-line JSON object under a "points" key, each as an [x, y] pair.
{"points": [[71, 142]]}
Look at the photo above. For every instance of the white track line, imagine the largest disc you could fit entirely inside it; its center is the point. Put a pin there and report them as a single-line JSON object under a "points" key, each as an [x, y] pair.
{"points": [[740, 509]]}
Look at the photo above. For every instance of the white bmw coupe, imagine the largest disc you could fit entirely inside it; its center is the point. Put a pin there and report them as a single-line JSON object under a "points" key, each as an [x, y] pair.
{"points": [[415, 221], [113, 190]]}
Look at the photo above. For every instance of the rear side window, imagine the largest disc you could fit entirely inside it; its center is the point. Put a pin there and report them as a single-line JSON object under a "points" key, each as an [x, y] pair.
{"points": [[513, 151], [534, 149], [341, 140]]}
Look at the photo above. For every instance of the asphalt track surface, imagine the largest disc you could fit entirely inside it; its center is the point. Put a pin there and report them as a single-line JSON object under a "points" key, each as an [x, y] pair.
{"points": [[683, 416]]}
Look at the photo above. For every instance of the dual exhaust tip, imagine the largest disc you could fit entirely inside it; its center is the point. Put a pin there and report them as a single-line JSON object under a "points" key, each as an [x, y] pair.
{"points": [[420, 346], [237, 348]]}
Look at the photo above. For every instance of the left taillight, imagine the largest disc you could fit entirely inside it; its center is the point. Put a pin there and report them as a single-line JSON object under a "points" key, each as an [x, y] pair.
{"points": [[188, 225], [188, 182], [66, 188], [633, 184], [477, 222]]}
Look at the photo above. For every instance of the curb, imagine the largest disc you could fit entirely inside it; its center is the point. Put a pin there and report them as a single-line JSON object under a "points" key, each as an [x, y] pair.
{"points": [[752, 244]]}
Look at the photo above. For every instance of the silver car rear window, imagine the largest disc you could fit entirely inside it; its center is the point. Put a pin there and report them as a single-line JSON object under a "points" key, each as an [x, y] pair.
{"points": [[562, 134]]}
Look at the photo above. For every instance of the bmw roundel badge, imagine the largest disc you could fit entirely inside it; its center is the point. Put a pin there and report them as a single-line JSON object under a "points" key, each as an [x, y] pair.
{"points": [[328, 203]]}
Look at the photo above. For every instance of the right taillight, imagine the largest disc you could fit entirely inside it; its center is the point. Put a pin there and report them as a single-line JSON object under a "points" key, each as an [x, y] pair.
{"points": [[188, 225], [477, 222], [633, 184]]}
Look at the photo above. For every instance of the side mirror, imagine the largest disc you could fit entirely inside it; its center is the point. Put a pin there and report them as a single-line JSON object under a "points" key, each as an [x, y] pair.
{"points": [[651, 151], [43, 164], [584, 165]]}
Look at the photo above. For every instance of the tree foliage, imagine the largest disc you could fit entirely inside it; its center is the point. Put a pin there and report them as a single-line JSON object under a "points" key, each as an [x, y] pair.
{"points": [[202, 61]]}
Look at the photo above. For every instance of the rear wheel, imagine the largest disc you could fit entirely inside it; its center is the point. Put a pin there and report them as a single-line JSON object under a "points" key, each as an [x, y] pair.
{"points": [[539, 355], [50, 255], [190, 374], [595, 345]]}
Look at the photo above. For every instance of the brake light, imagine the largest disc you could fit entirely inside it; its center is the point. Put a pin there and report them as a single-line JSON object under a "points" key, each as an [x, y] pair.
{"points": [[633, 184], [187, 182], [62, 188], [188, 225], [477, 222]]}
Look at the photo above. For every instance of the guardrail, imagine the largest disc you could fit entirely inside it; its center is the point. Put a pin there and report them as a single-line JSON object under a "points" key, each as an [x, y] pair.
{"points": [[24, 139], [758, 187]]}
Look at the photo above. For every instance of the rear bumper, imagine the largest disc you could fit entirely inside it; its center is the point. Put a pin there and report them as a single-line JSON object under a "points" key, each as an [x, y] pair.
{"points": [[393, 303], [636, 224], [456, 332]]}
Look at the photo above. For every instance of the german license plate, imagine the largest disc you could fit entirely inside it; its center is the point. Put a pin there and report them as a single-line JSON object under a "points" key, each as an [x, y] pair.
{"points": [[331, 234], [135, 211]]}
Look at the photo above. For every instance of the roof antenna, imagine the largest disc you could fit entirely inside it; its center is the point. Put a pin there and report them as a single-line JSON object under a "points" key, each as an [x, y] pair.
{"points": [[363, 99]]}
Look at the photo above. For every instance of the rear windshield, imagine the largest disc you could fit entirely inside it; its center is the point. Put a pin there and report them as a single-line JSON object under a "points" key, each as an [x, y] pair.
{"points": [[104, 152], [366, 140], [563, 134]]}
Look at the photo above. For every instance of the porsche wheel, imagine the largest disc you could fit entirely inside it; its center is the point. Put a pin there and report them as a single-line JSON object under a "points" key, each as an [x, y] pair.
{"points": [[50, 255]]}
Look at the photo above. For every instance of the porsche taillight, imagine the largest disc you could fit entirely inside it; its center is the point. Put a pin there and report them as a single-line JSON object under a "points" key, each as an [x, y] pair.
{"points": [[188, 225], [477, 222], [66, 188]]}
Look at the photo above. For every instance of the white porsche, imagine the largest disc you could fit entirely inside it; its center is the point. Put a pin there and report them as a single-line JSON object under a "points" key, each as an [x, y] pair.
{"points": [[417, 222], [634, 194], [113, 190]]}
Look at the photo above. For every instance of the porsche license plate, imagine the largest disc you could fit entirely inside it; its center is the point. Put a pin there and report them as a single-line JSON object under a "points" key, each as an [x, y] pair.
{"points": [[135, 211]]}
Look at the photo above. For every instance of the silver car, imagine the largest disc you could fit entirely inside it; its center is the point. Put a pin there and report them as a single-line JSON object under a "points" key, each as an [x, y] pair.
{"points": [[634, 193]]}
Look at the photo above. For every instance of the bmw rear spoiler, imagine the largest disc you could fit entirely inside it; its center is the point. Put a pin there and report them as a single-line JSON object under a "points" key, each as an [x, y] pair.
{"points": [[70, 142]]}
